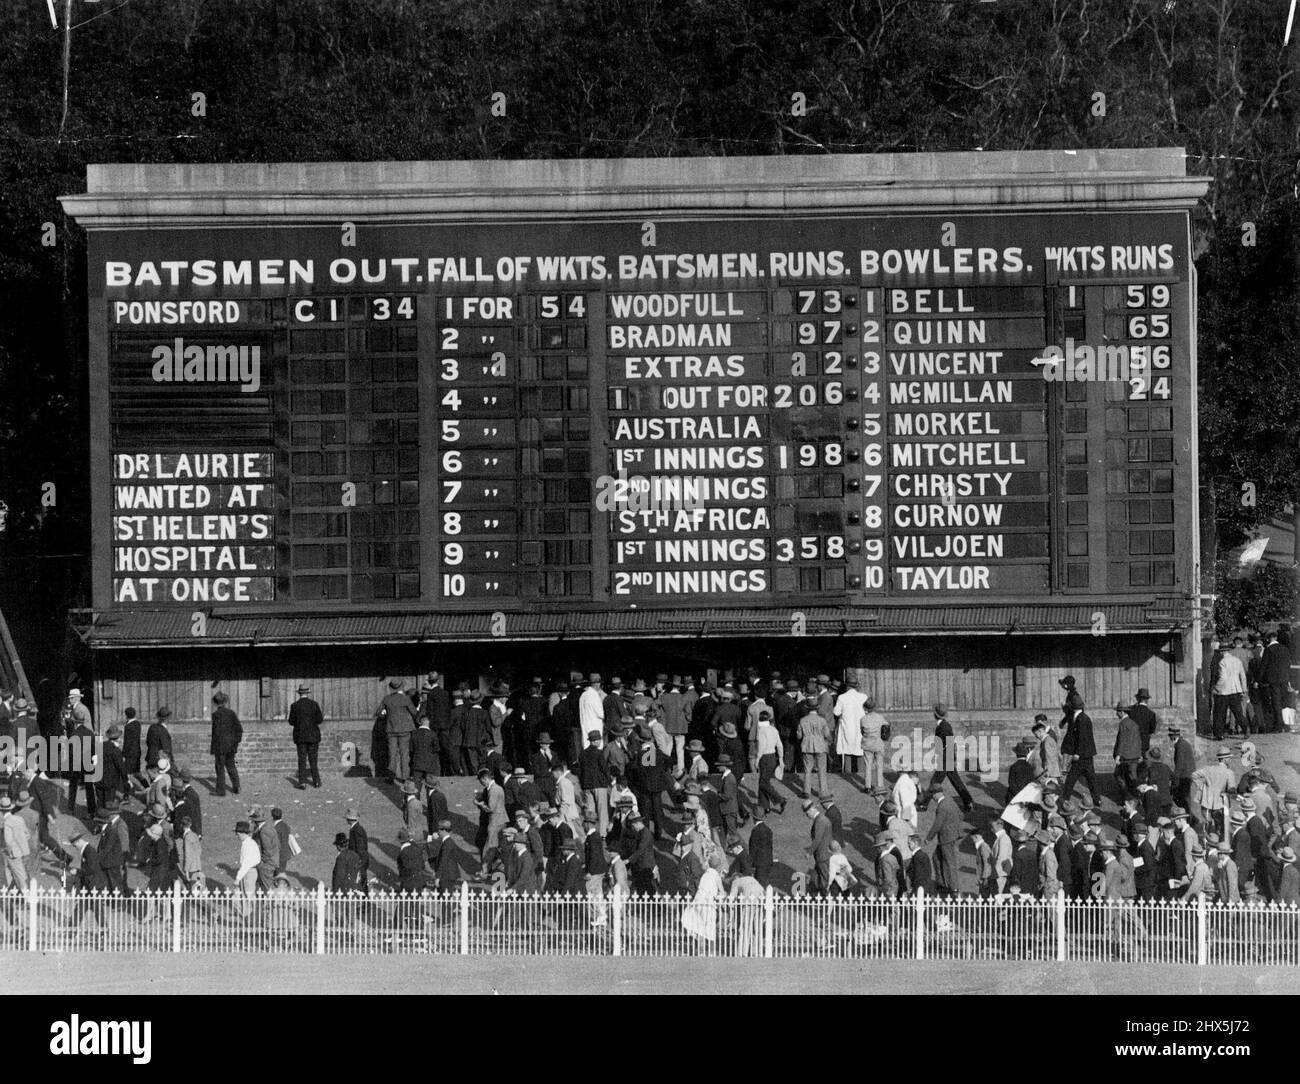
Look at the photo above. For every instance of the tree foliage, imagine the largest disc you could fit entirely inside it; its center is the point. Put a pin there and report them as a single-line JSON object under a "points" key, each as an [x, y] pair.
{"points": [[302, 80]]}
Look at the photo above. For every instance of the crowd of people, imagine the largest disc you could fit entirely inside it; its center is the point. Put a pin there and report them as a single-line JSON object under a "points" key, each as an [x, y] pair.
{"points": [[591, 784]]}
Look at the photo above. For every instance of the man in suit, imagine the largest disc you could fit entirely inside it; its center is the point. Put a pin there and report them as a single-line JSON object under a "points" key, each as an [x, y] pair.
{"points": [[1024, 865], [891, 876], [1275, 680], [348, 875], [729, 794], [596, 865], [761, 842], [1211, 787], [81, 766], [158, 741], [1144, 717], [1257, 832], [424, 755], [399, 714], [527, 721], [1020, 773], [948, 766], [947, 829], [836, 818], [1171, 862], [444, 858], [641, 860], [1127, 752], [359, 843], [1227, 679], [227, 733], [436, 707], [1158, 797], [1079, 862], [410, 863], [593, 777], [131, 742], [113, 772], [113, 847], [306, 719], [476, 733], [819, 847], [920, 870], [1243, 851], [1184, 766], [1144, 861], [268, 842], [1080, 745], [193, 805], [571, 875]]}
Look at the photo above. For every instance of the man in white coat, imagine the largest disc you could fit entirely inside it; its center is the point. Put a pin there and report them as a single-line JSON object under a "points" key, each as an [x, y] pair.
{"points": [[591, 707], [849, 711], [905, 795]]}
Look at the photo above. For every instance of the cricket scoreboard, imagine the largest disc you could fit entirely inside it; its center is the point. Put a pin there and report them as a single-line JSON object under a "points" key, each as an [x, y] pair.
{"points": [[792, 406]]}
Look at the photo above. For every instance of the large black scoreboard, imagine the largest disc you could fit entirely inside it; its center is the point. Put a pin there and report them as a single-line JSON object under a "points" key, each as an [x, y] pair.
{"points": [[604, 411]]}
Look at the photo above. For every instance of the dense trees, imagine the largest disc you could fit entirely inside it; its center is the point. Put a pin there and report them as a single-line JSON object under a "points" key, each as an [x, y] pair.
{"points": [[393, 79]]}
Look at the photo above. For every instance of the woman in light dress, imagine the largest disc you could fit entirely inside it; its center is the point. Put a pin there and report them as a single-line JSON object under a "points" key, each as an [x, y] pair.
{"points": [[700, 919]]}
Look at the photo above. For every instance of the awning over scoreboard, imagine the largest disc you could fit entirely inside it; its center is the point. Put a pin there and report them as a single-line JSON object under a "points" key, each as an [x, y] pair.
{"points": [[139, 629]]}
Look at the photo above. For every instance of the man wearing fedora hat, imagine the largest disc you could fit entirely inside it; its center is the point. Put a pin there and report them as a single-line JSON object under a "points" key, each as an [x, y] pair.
{"points": [[819, 846], [348, 875], [498, 709], [948, 767], [158, 739], [227, 733], [1223, 871], [1127, 752], [268, 844], [671, 705], [814, 741], [476, 733], [593, 777], [76, 714], [1145, 718], [399, 718], [113, 775], [359, 843], [1288, 890], [18, 844], [306, 720], [424, 755], [1211, 786], [1200, 882]]}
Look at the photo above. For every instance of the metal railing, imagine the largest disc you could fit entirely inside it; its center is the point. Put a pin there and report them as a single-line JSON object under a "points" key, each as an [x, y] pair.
{"points": [[475, 922]]}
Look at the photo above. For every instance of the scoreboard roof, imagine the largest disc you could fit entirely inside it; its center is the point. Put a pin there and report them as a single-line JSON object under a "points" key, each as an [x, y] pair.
{"points": [[832, 395], [209, 194]]}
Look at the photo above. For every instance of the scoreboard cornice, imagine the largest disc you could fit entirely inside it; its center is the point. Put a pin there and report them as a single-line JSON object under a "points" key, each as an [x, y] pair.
{"points": [[229, 195]]}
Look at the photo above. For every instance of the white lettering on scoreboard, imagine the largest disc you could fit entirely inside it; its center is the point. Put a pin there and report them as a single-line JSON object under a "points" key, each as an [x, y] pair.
{"points": [[193, 527], [773, 415]]}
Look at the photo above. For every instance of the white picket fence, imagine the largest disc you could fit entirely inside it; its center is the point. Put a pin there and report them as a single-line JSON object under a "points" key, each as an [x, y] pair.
{"points": [[482, 923]]}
